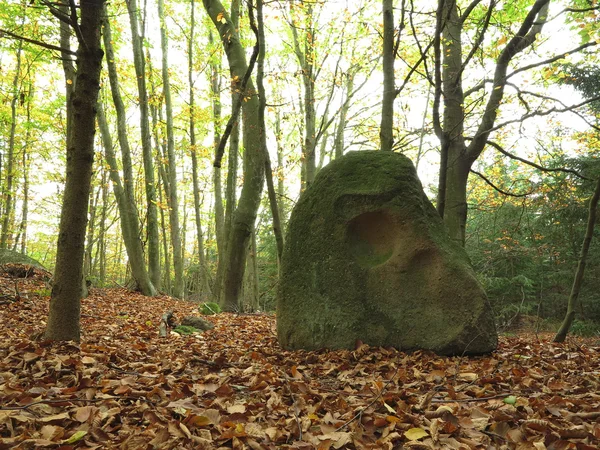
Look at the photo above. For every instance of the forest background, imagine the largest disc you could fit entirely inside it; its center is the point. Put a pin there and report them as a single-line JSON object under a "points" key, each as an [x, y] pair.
{"points": [[162, 201]]}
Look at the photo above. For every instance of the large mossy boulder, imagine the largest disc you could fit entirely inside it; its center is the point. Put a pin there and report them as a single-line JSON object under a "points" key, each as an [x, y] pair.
{"points": [[12, 257], [368, 259]]}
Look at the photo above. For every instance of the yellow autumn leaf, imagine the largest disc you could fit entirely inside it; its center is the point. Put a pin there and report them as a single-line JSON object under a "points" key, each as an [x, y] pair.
{"points": [[69, 81], [467, 376], [389, 408], [414, 434], [77, 436], [221, 18]]}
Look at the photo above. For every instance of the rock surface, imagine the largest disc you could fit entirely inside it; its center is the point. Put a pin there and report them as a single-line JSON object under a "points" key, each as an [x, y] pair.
{"points": [[368, 259]]}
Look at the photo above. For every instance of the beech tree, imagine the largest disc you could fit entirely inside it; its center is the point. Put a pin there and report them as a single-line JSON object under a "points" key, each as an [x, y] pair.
{"points": [[244, 216], [464, 132], [64, 313], [123, 188]]}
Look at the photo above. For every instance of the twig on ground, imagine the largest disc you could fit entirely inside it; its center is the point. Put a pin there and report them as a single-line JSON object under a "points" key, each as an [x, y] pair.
{"points": [[359, 414]]}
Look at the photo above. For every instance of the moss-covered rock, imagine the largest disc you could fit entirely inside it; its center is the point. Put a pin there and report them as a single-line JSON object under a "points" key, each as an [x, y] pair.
{"points": [[209, 308], [368, 258], [197, 322], [12, 257]]}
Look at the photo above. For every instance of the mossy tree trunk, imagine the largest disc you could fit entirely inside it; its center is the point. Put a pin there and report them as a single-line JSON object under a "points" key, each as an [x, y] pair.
{"points": [[64, 313], [123, 188], [204, 284], [244, 217]]}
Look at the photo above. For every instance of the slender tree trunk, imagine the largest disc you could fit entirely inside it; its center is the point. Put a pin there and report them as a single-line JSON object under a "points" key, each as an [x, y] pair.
{"points": [[339, 142], [280, 158], [386, 130], [173, 201], [204, 284], [578, 281], [26, 167], [124, 189], [165, 238], [102, 233], [150, 186], [91, 229], [64, 313], [306, 60], [10, 156], [262, 105], [245, 214]]}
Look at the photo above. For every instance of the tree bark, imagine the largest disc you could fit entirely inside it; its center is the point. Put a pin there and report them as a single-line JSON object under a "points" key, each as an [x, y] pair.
{"points": [[8, 193], [173, 201], [245, 214], [262, 105], [456, 157], [123, 189], [306, 60], [150, 187], [386, 130], [578, 281], [127, 211], [64, 313], [204, 283]]}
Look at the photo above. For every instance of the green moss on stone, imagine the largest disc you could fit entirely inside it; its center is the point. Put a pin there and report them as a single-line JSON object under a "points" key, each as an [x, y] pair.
{"points": [[367, 257]]}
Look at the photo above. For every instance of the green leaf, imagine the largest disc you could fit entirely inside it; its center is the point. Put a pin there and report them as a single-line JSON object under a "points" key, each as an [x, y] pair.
{"points": [[77, 436], [510, 400]]}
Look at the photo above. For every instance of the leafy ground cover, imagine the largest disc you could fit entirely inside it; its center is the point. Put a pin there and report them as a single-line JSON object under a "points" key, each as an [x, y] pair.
{"points": [[125, 387]]}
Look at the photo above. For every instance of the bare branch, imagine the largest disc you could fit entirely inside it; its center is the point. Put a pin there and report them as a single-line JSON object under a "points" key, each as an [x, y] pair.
{"points": [[570, 108], [479, 39], [35, 42], [532, 164], [496, 188]]}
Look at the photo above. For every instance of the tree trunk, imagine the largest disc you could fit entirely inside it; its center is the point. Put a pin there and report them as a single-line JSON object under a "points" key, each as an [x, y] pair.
{"points": [[280, 183], [251, 293], [173, 201], [386, 130], [306, 60], [26, 167], [10, 155], [165, 239], [245, 214], [102, 232], [578, 281], [123, 189], [64, 313], [204, 284], [150, 187], [262, 105], [456, 157]]}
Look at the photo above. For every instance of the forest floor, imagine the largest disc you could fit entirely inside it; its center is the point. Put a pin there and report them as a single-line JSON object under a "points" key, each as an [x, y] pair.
{"points": [[125, 387]]}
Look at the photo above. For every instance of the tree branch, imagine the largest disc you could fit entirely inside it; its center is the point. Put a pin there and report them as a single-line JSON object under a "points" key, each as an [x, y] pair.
{"points": [[237, 106], [531, 163], [35, 42], [496, 188], [542, 113]]}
